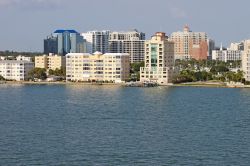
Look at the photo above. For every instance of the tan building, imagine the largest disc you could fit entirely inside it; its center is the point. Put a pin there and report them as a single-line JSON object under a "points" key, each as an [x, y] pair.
{"points": [[190, 44], [97, 67], [246, 60], [41, 61], [50, 62], [159, 60]]}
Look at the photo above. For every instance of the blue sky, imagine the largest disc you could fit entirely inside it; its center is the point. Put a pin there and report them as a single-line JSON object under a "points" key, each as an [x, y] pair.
{"points": [[25, 23]]}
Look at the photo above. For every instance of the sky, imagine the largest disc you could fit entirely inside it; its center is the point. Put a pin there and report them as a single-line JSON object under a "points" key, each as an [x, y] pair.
{"points": [[25, 23]]}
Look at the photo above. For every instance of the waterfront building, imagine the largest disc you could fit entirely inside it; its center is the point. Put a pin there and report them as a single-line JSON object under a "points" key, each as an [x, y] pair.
{"points": [[131, 42], [41, 61], [231, 54], [190, 44], [23, 58], [226, 55], [159, 60], [96, 41], [15, 70], [3, 57], [62, 42], [246, 60], [51, 61], [113, 67]]}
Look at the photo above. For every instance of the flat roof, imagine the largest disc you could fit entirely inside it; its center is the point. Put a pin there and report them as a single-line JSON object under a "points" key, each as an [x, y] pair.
{"points": [[14, 61]]}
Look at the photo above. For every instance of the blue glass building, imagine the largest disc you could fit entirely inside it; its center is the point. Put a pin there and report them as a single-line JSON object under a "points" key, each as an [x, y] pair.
{"points": [[62, 42]]}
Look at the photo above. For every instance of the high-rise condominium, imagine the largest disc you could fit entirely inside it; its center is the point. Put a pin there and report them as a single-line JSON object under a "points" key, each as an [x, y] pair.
{"points": [[159, 60], [97, 41], [246, 60], [131, 42], [190, 44], [62, 42]]}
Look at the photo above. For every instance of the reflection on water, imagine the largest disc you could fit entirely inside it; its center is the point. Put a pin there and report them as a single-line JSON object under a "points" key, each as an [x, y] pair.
{"points": [[114, 125]]}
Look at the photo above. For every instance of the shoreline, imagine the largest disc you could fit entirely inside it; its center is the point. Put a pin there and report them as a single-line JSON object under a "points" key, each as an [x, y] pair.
{"points": [[192, 84]]}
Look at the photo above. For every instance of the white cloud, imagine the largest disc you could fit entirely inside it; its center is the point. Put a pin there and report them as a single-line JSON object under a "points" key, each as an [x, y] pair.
{"points": [[178, 13], [30, 3]]}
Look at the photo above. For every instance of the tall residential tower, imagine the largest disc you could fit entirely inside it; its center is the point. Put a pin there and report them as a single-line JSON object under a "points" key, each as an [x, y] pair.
{"points": [[131, 42], [97, 41], [246, 60], [159, 60], [190, 44]]}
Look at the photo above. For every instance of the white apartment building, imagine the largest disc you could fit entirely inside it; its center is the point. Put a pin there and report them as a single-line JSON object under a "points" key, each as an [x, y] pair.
{"points": [[233, 53], [159, 60], [236, 46], [246, 60], [131, 42], [23, 58], [97, 41], [3, 57], [226, 55], [113, 67], [15, 70]]}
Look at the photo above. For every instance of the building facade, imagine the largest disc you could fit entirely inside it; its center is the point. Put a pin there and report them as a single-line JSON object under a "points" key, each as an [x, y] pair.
{"points": [[97, 41], [190, 44], [113, 67], [131, 42], [15, 70], [246, 60], [236, 46], [24, 58], [62, 42], [159, 60], [50, 45], [50, 61], [41, 61], [226, 55]]}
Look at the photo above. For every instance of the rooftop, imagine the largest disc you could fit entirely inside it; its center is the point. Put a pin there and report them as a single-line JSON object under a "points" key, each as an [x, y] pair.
{"points": [[14, 61], [62, 31]]}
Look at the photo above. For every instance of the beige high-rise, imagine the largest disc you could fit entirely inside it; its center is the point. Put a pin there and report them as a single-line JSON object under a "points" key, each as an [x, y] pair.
{"points": [[190, 44], [113, 67], [159, 60], [246, 60]]}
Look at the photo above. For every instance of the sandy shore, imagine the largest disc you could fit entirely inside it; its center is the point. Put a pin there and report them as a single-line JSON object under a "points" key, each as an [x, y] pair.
{"points": [[191, 84]]}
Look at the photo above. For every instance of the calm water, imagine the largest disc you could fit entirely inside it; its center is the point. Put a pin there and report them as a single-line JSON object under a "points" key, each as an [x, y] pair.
{"points": [[102, 125]]}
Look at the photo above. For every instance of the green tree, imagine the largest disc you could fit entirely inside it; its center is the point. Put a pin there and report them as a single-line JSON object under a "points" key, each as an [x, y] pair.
{"points": [[2, 78], [38, 73], [58, 72], [135, 70]]}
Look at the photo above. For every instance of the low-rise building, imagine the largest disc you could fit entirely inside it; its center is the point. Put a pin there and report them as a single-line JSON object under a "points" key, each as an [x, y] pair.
{"points": [[50, 61], [3, 57], [15, 70], [233, 53], [113, 67], [226, 55], [23, 58]]}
